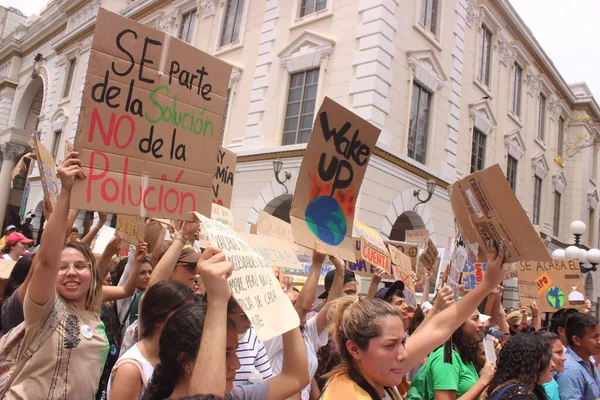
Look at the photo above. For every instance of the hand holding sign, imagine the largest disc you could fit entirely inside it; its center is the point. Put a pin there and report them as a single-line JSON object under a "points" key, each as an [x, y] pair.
{"points": [[69, 170], [214, 270], [495, 273]]}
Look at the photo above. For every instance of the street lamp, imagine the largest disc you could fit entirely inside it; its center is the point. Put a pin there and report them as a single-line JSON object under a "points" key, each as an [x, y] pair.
{"points": [[430, 189], [277, 166], [574, 251]]}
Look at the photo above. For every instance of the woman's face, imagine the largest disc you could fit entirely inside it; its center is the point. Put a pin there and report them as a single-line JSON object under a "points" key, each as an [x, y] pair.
{"points": [[547, 374], [473, 329], [231, 358], [558, 356], [382, 361], [144, 276], [400, 305], [184, 275], [74, 276], [106, 280], [18, 249]]}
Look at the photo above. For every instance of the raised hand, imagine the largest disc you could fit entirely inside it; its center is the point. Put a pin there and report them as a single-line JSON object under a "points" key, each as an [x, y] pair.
{"points": [[141, 252], [69, 170], [495, 273], [214, 270]]}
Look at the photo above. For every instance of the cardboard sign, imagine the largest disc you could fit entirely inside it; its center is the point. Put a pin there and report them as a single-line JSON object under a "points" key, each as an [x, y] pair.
{"points": [[473, 274], [68, 149], [253, 283], [528, 293], [150, 122], [222, 214], [271, 226], [361, 266], [490, 349], [329, 180], [373, 250], [152, 232], [429, 256], [457, 262], [556, 284], [410, 249], [277, 252], [131, 228], [47, 167], [6, 267], [222, 183], [486, 208], [417, 236]]}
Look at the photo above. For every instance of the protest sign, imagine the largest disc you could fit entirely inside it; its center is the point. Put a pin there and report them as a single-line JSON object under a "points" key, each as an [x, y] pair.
{"points": [[150, 122], [131, 228], [372, 249], [473, 274], [105, 234], [47, 167], [429, 256], [410, 249], [417, 236], [6, 267], [221, 214], [328, 184], [271, 226], [277, 252], [361, 266], [558, 283], [457, 262], [222, 184], [486, 208], [528, 293], [253, 283], [403, 270]]}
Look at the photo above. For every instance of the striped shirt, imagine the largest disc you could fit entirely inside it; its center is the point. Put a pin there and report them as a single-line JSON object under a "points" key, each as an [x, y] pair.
{"points": [[252, 355]]}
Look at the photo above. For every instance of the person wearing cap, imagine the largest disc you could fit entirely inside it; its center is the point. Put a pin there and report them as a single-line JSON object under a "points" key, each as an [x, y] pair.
{"points": [[9, 229], [16, 246], [517, 321], [497, 333], [451, 370]]}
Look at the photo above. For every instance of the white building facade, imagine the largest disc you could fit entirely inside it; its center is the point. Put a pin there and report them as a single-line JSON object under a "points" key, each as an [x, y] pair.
{"points": [[454, 85]]}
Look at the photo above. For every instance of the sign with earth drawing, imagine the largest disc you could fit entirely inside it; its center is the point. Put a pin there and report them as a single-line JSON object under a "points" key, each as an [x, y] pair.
{"points": [[332, 171], [558, 283]]}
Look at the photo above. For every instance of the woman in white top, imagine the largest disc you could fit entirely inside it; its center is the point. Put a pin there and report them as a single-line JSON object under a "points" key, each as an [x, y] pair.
{"points": [[134, 368], [16, 245]]}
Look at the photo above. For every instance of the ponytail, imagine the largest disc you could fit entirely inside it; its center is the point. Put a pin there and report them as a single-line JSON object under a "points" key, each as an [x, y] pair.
{"points": [[162, 383]]}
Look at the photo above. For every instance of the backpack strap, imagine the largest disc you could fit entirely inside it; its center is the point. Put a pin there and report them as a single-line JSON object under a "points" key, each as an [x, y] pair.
{"points": [[137, 364], [500, 392]]}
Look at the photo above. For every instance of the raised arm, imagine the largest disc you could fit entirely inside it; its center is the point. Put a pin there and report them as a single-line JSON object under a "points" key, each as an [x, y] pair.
{"points": [[111, 293], [308, 293], [441, 326], [71, 221], [47, 260], [210, 368], [374, 285], [426, 280], [335, 291], [443, 299], [111, 250], [91, 235], [166, 265]]}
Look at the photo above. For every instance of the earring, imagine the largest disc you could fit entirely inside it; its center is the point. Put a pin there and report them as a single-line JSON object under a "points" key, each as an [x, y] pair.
{"points": [[188, 372]]}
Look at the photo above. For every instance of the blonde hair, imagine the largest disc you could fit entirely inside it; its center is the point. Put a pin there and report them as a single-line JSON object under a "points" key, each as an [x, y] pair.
{"points": [[93, 299], [356, 319]]}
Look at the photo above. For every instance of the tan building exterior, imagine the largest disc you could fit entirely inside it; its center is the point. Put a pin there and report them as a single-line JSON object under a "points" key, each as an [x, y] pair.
{"points": [[455, 86]]}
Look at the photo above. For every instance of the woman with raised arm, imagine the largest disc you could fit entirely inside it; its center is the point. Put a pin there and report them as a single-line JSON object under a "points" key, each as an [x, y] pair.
{"points": [[370, 339], [62, 321]]}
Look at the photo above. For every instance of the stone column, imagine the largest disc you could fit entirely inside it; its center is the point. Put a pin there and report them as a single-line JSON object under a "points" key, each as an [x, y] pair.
{"points": [[10, 155]]}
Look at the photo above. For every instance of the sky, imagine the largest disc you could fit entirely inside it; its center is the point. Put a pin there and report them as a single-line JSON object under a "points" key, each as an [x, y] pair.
{"points": [[567, 31]]}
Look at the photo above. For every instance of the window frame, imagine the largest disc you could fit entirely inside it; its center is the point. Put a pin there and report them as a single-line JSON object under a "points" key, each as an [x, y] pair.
{"points": [[516, 107], [301, 104], [192, 25], [56, 143], [556, 213], [69, 77], [542, 104], [560, 139], [537, 199], [487, 79], [418, 86], [315, 3], [433, 26], [478, 147], [237, 21], [511, 173]]}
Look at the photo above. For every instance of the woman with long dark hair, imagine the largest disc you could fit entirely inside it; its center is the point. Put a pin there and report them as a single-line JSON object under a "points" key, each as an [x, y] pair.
{"points": [[523, 365], [14, 294]]}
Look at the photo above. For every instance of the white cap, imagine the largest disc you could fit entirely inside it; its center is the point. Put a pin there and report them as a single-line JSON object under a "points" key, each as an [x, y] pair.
{"points": [[483, 318]]}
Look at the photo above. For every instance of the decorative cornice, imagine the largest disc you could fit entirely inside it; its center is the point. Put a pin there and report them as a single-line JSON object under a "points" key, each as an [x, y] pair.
{"points": [[397, 161], [6, 83]]}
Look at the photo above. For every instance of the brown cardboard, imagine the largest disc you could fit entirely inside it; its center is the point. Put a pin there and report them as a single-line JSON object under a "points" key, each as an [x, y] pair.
{"points": [[222, 214], [329, 180], [149, 126], [21, 166], [486, 208], [222, 184], [556, 279], [68, 149], [6, 267], [278, 253], [253, 283], [428, 258], [419, 236], [410, 249], [360, 267], [47, 167], [373, 250], [131, 228], [152, 232], [271, 226]]}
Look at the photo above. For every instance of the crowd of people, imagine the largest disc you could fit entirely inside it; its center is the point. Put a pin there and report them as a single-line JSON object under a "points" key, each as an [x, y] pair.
{"points": [[161, 323]]}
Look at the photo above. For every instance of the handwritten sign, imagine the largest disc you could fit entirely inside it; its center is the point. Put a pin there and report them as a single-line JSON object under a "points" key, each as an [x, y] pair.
{"points": [[222, 214], [329, 180], [131, 228], [277, 252], [528, 293], [222, 184], [458, 260], [429, 256], [47, 167], [253, 283], [410, 249], [372, 249], [361, 266], [149, 123], [419, 236], [556, 284], [473, 274], [271, 226]]}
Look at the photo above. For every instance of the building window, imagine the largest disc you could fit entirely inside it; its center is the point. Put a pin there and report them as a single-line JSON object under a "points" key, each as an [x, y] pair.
{"points": [[542, 117], [187, 26], [511, 172], [227, 96], [594, 168], [517, 88], [556, 219], [537, 199], [591, 226], [300, 109], [233, 21], [477, 151], [56, 143], [561, 136], [310, 6], [69, 78], [419, 123], [486, 56], [429, 10]]}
